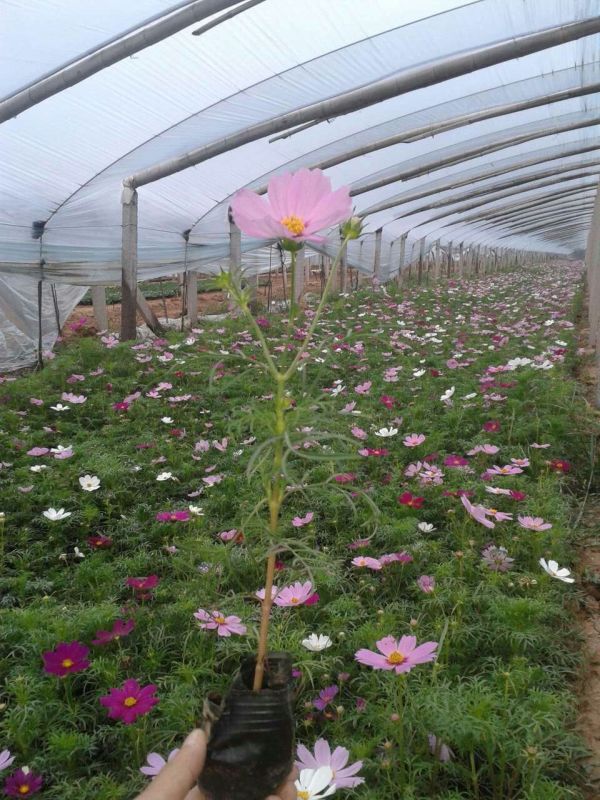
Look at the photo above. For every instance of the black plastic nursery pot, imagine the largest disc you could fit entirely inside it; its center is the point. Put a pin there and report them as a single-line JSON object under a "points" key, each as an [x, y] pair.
{"points": [[251, 742]]}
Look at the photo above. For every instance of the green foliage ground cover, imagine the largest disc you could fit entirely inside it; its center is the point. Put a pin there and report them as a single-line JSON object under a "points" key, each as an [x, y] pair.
{"points": [[500, 694]]}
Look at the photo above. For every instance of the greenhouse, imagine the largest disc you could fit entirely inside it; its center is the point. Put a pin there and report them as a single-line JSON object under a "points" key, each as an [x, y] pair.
{"points": [[299, 350]]}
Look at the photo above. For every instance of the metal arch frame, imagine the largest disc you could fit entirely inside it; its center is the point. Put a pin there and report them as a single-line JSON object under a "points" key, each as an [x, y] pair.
{"points": [[514, 187], [488, 188], [502, 167], [577, 120], [511, 209], [107, 53], [437, 71]]}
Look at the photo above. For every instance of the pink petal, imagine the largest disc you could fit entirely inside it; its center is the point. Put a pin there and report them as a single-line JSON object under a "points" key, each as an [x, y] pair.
{"points": [[305, 757], [407, 644], [371, 659], [387, 645]]}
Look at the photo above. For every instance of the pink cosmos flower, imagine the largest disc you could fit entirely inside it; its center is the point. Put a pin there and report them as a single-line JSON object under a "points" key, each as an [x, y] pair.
{"points": [[358, 433], [488, 449], [297, 205], [298, 522], [391, 558], [120, 628], [344, 477], [344, 776], [367, 561], [477, 512], [363, 388], [400, 655], [499, 516], [215, 620], [534, 523], [414, 439], [507, 469], [426, 584], [520, 462], [295, 595], [76, 399], [35, 401], [66, 658], [38, 451], [6, 759], [22, 783], [130, 701], [155, 763]]}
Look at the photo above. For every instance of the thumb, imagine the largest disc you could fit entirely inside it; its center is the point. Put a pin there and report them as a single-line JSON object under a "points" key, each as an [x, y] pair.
{"points": [[176, 779]]}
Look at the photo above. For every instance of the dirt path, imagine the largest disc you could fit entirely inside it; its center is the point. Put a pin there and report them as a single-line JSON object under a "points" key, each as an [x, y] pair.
{"points": [[589, 569]]}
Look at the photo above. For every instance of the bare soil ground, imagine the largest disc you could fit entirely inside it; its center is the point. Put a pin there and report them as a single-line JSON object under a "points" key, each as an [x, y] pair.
{"points": [[589, 617], [170, 307]]}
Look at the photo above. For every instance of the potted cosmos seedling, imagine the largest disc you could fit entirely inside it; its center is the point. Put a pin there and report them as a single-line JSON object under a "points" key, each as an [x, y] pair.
{"points": [[251, 731]]}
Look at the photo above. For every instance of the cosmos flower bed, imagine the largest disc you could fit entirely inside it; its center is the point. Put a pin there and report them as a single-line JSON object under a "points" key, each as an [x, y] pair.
{"points": [[423, 583]]}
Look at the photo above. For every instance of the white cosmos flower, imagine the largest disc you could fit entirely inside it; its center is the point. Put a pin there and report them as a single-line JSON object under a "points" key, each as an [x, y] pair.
{"points": [[165, 476], [312, 782], [447, 394], [339, 388], [469, 396], [418, 373], [59, 407], [54, 515], [167, 420], [552, 568], [317, 642], [38, 467], [386, 432], [60, 448], [426, 527], [197, 511], [89, 483]]}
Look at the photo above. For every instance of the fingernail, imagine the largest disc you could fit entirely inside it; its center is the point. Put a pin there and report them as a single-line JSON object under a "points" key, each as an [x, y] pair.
{"points": [[195, 738]]}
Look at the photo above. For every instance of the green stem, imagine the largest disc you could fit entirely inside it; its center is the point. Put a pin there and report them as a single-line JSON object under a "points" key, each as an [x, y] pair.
{"points": [[401, 684], [293, 305], [318, 312]]}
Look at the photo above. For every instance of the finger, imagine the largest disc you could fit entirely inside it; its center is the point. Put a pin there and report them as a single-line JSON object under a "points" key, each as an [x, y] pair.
{"points": [[179, 775]]}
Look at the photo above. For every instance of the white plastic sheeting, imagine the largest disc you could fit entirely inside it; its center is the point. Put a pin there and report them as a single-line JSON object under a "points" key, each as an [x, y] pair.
{"points": [[64, 160]]}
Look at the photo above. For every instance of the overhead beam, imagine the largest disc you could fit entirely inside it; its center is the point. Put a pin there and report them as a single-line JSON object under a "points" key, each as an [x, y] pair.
{"points": [[116, 51], [429, 74]]}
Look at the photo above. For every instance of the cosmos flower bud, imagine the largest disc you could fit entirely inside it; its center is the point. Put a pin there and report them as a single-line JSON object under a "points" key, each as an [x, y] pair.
{"points": [[352, 228]]}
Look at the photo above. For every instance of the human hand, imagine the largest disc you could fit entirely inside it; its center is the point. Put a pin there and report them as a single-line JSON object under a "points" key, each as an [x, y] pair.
{"points": [[177, 779]]}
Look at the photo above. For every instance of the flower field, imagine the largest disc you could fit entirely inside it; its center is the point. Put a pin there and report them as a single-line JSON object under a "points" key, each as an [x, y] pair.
{"points": [[438, 444]]}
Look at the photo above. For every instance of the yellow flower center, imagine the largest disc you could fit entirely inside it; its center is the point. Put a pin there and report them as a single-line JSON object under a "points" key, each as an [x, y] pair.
{"points": [[396, 658], [220, 620], [24, 788], [67, 663], [130, 701], [294, 600], [303, 795], [493, 510], [294, 224]]}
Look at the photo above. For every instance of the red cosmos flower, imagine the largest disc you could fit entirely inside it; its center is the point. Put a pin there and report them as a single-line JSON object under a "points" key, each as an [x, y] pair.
{"points": [[66, 658], [122, 406], [130, 701], [99, 541], [178, 433], [121, 627], [515, 495], [142, 584], [559, 465], [179, 373], [312, 600], [435, 373], [378, 452], [344, 477], [407, 499], [492, 426], [387, 401]]}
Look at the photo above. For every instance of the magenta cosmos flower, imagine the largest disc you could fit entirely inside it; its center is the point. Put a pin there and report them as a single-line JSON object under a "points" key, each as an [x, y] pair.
{"points": [[22, 783], [344, 777], [147, 582], [120, 628], [297, 205], [130, 701], [400, 655], [216, 621], [66, 658], [172, 516]]}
